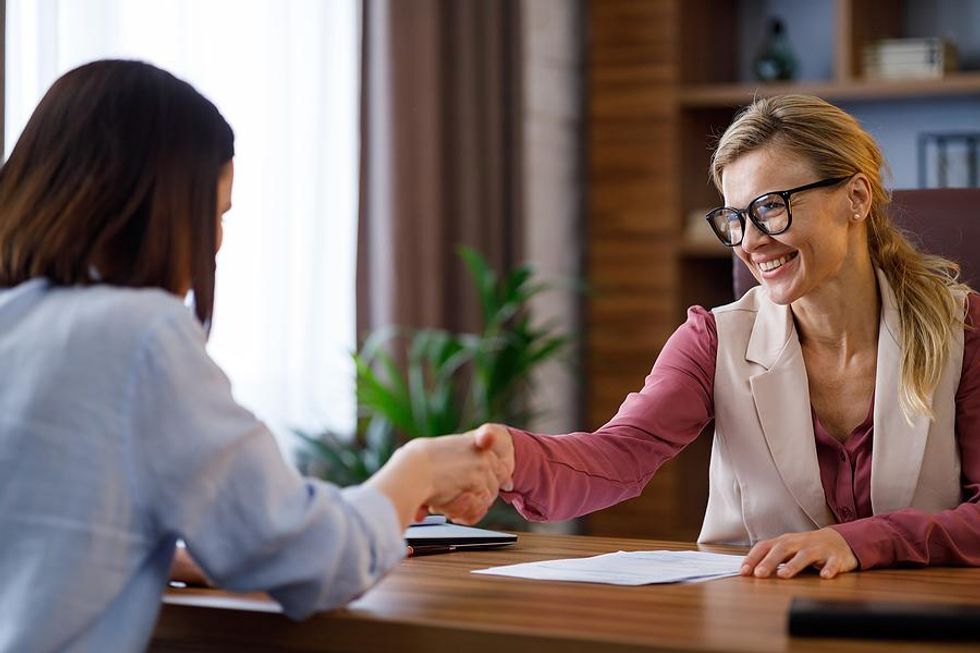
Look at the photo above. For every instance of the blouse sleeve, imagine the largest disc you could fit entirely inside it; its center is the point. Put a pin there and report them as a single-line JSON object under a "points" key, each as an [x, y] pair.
{"points": [[948, 537], [564, 476], [209, 472]]}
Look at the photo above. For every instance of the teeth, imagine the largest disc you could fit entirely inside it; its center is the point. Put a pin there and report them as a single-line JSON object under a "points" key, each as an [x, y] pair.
{"points": [[768, 266]]}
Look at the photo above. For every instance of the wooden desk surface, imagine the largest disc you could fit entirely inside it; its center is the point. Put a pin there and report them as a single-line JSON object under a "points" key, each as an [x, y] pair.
{"points": [[434, 604]]}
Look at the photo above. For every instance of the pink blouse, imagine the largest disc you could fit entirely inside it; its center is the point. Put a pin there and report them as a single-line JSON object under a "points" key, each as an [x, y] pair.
{"points": [[559, 477]]}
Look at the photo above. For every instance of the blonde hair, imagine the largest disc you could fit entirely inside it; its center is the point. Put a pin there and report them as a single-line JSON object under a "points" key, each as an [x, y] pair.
{"points": [[927, 289]]}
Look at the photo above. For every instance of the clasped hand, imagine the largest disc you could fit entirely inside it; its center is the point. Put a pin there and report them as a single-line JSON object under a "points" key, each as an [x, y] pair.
{"points": [[468, 471]]}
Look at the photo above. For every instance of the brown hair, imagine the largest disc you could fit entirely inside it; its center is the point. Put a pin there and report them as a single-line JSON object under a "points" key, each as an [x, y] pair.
{"points": [[114, 180], [926, 287]]}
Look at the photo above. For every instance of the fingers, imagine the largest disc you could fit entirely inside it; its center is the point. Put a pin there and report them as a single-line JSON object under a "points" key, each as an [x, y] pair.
{"points": [[788, 555], [469, 473], [803, 559], [780, 551], [502, 473], [766, 556], [755, 556], [466, 508], [831, 568]]}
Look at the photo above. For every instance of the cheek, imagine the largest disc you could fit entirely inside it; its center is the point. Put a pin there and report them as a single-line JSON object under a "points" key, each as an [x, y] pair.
{"points": [[740, 253]]}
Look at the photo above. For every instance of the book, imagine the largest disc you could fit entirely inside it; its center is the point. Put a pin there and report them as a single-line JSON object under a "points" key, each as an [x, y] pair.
{"points": [[908, 58]]}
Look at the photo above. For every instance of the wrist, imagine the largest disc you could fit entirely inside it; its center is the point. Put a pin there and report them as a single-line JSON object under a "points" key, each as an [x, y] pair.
{"points": [[414, 457], [406, 479]]}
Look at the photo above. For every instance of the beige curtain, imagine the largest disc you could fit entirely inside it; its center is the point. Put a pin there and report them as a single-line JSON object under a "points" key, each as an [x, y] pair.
{"points": [[3, 80], [440, 156]]}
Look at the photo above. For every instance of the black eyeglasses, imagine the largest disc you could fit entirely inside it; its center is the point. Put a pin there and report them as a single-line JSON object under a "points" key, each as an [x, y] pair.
{"points": [[770, 213]]}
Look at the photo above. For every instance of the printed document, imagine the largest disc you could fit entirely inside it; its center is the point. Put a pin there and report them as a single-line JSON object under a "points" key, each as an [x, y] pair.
{"points": [[628, 568]]}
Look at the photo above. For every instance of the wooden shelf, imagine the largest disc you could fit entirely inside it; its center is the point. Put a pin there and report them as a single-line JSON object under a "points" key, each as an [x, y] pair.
{"points": [[859, 90]]}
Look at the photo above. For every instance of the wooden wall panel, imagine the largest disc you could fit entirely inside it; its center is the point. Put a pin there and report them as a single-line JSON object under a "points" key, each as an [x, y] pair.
{"points": [[634, 231]]}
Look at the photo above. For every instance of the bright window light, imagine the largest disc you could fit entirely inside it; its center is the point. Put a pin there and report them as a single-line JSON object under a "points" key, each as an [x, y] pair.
{"points": [[285, 75]]}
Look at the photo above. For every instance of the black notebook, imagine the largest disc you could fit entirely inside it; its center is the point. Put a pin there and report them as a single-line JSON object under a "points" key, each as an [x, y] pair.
{"points": [[884, 619]]}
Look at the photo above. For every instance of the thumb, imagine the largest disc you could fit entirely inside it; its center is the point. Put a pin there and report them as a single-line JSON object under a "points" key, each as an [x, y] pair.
{"points": [[484, 438]]}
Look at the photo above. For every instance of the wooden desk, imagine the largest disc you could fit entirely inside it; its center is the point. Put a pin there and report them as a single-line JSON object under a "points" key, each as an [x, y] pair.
{"points": [[433, 604]]}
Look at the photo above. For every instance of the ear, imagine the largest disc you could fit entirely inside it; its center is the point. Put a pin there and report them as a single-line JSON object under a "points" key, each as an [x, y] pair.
{"points": [[859, 196]]}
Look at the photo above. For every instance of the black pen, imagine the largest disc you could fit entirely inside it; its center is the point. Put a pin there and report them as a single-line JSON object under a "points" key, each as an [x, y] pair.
{"points": [[430, 549]]}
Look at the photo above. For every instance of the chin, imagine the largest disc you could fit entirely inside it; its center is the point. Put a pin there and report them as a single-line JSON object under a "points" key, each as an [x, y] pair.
{"points": [[780, 295]]}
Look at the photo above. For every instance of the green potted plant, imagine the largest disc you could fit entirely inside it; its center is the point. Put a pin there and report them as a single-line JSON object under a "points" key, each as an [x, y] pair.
{"points": [[429, 382]]}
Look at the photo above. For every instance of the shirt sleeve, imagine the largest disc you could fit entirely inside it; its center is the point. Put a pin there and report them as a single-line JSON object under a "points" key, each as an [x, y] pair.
{"points": [[209, 472], [564, 476], [948, 537]]}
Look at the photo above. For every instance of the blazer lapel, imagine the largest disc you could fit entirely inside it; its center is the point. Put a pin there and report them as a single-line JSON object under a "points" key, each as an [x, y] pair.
{"points": [[782, 402], [899, 445]]}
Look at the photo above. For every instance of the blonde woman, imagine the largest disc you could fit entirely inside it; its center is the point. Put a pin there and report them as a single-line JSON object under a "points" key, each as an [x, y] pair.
{"points": [[845, 389]]}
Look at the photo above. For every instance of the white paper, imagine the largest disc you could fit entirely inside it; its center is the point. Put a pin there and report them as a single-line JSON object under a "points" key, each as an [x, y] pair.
{"points": [[628, 568]]}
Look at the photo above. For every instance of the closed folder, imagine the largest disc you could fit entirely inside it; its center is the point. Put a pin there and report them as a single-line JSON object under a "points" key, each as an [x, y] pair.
{"points": [[878, 619]]}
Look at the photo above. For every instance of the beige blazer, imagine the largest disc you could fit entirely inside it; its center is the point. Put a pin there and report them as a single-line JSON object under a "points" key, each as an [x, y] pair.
{"points": [[764, 476]]}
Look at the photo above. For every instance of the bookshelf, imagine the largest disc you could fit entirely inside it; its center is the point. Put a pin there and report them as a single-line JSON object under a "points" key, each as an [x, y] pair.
{"points": [[662, 83]]}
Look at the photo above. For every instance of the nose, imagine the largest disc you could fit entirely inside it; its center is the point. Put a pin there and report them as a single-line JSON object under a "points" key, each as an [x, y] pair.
{"points": [[753, 238]]}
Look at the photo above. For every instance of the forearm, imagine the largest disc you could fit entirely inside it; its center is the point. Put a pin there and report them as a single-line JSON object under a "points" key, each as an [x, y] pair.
{"points": [[558, 477], [561, 477], [950, 537]]}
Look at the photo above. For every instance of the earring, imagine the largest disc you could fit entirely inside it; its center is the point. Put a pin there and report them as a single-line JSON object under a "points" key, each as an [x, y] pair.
{"points": [[857, 216]]}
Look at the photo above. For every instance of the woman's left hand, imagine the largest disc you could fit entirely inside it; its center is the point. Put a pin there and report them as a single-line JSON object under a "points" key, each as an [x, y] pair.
{"points": [[825, 549]]}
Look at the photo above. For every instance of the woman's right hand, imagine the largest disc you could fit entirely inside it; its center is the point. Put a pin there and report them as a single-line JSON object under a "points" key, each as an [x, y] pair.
{"points": [[458, 475]]}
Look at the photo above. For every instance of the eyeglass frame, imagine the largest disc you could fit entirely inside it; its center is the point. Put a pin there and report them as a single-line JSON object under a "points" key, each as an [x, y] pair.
{"points": [[747, 211]]}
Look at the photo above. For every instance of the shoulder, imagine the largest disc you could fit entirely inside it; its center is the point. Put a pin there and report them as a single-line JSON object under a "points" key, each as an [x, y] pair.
{"points": [[92, 338], [750, 302], [694, 344], [699, 327], [121, 312], [111, 322]]}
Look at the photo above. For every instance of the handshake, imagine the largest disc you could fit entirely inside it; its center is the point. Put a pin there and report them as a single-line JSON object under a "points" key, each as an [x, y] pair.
{"points": [[455, 475]]}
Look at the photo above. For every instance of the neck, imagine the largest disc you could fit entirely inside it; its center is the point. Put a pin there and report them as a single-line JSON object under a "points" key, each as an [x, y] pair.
{"points": [[842, 314]]}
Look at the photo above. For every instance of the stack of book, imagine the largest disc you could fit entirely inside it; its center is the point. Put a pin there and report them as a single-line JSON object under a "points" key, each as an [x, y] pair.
{"points": [[928, 58]]}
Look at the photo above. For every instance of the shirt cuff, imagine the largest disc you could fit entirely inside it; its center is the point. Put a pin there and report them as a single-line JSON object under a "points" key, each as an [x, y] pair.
{"points": [[523, 460], [871, 540], [381, 525]]}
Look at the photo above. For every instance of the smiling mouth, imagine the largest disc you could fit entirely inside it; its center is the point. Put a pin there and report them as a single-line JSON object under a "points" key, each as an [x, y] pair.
{"points": [[775, 264]]}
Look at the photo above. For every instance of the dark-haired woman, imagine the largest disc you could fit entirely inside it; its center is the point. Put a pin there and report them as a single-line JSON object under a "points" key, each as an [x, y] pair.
{"points": [[118, 434]]}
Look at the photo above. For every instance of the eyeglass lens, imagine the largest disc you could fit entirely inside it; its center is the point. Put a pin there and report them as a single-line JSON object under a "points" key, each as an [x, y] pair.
{"points": [[769, 213]]}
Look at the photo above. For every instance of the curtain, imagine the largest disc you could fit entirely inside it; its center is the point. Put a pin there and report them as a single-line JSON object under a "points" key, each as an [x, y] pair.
{"points": [[440, 156], [285, 75]]}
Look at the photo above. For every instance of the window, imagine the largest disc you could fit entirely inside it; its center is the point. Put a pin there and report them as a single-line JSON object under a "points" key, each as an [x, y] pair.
{"points": [[285, 75]]}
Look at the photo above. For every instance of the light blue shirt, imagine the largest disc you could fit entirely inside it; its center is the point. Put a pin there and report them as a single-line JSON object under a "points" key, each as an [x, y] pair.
{"points": [[119, 435]]}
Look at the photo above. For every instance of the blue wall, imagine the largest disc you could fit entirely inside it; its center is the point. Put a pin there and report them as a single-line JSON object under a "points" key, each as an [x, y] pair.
{"points": [[896, 124]]}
